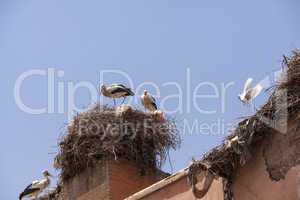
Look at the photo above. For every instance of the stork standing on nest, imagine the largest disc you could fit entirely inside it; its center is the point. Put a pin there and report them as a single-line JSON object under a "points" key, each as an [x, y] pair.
{"points": [[249, 93], [116, 91], [148, 101], [36, 187]]}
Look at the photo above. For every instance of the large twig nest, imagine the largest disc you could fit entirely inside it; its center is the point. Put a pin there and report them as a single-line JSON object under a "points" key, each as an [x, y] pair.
{"points": [[107, 133]]}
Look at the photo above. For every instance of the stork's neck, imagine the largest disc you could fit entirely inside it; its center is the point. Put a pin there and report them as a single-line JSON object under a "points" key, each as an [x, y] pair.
{"points": [[48, 180], [104, 91]]}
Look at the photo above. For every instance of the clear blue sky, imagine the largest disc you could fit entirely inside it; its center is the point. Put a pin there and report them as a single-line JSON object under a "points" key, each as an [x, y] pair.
{"points": [[220, 41]]}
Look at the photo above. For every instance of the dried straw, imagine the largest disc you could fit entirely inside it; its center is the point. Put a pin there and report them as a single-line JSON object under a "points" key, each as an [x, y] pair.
{"points": [[224, 160], [102, 133]]}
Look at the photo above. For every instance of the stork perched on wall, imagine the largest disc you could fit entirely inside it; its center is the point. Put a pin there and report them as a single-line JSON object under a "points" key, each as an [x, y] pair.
{"points": [[148, 101], [36, 187], [249, 93], [116, 91]]}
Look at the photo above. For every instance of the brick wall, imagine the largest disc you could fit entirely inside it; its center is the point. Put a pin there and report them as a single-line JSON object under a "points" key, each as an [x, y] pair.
{"points": [[125, 179], [109, 180]]}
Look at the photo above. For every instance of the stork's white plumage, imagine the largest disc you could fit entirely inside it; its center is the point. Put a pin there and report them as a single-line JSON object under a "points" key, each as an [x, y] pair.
{"points": [[229, 143], [116, 91], [36, 187], [148, 101], [249, 93], [123, 110]]}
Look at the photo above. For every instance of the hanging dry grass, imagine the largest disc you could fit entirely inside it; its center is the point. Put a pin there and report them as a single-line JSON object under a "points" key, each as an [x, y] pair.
{"points": [[105, 133], [282, 107], [52, 195]]}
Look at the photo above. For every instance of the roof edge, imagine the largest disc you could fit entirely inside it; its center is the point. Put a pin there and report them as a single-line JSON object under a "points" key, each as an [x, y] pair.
{"points": [[156, 186]]}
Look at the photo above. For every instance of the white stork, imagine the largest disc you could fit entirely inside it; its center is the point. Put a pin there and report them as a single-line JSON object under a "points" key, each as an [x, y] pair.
{"points": [[148, 101], [36, 187], [249, 93], [116, 91]]}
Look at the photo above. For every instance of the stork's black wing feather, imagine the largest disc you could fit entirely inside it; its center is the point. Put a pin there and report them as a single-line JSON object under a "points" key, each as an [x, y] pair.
{"points": [[153, 99], [122, 89], [28, 190], [121, 85], [117, 90], [153, 102], [154, 105], [130, 92]]}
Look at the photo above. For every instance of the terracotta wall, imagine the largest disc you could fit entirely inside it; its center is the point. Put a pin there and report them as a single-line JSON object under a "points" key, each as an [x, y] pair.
{"points": [[89, 184], [180, 190], [253, 182], [109, 180], [125, 179]]}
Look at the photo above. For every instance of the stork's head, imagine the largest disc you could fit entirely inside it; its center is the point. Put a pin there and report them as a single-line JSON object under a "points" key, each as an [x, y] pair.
{"points": [[145, 92], [46, 173]]}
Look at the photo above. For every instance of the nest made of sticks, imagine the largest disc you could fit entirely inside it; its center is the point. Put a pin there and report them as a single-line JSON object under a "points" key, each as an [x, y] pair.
{"points": [[103, 133], [54, 194], [283, 105]]}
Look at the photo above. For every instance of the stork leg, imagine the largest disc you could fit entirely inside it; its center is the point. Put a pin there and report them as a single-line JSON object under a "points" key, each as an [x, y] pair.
{"points": [[123, 100], [254, 107]]}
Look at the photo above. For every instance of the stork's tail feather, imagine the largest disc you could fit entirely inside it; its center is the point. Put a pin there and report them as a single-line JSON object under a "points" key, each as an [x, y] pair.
{"points": [[154, 106], [130, 92], [21, 196]]}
